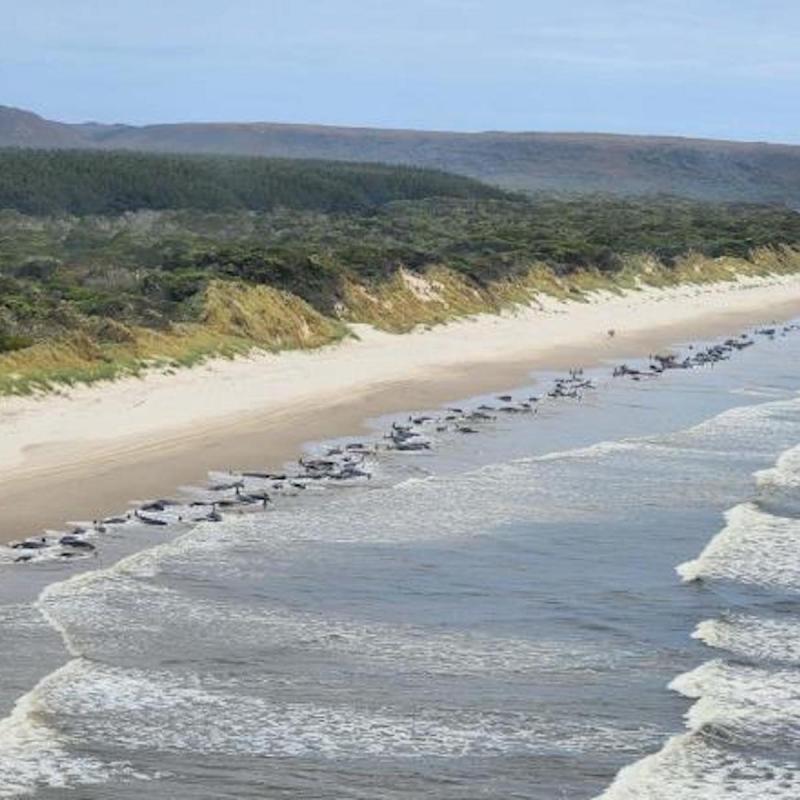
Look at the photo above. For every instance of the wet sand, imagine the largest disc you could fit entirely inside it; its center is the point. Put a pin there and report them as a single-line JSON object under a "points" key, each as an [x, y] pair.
{"points": [[88, 454]]}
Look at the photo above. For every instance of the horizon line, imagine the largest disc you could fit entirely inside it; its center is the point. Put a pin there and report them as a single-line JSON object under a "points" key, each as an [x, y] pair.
{"points": [[409, 130]]}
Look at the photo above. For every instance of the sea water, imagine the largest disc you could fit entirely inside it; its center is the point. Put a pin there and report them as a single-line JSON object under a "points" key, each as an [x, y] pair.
{"points": [[601, 600]]}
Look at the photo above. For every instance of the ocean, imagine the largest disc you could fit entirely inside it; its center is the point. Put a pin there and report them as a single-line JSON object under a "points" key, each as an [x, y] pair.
{"points": [[597, 600]]}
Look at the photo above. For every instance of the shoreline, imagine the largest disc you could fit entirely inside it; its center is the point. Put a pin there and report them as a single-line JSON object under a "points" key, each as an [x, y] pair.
{"points": [[62, 457]]}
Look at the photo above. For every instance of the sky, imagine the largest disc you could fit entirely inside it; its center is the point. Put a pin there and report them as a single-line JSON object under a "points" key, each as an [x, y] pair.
{"points": [[711, 68]]}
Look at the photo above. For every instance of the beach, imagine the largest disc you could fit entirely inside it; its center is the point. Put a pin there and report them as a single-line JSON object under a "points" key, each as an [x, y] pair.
{"points": [[594, 597], [91, 451]]}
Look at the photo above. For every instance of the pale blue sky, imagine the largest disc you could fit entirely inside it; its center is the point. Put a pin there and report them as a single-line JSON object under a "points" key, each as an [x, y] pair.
{"points": [[718, 68]]}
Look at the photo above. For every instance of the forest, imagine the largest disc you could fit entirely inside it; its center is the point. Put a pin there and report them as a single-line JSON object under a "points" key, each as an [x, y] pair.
{"points": [[97, 182], [112, 245]]}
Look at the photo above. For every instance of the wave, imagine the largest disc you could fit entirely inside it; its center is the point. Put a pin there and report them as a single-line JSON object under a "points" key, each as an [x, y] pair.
{"points": [[736, 706], [754, 547], [741, 709], [123, 614], [116, 616], [762, 391], [119, 614], [757, 428], [752, 637], [689, 767], [784, 475], [758, 423], [158, 709], [743, 703], [35, 755]]}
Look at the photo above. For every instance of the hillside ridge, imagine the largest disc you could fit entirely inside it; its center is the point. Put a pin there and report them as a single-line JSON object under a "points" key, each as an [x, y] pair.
{"points": [[528, 161]]}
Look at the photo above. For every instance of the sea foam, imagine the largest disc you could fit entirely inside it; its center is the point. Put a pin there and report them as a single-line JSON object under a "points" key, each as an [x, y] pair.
{"points": [[754, 547]]}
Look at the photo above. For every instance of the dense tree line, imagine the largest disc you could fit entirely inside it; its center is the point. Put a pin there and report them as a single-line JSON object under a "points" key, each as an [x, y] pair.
{"points": [[150, 267], [94, 182]]}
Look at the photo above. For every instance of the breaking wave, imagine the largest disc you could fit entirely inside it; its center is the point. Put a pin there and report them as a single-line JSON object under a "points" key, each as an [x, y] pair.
{"points": [[754, 547], [746, 708]]}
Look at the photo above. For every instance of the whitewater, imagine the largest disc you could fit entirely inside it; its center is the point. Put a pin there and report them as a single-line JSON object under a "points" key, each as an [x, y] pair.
{"points": [[596, 601]]}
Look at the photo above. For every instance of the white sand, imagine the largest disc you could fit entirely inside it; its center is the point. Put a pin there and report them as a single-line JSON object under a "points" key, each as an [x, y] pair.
{"points": [[41, 438]]}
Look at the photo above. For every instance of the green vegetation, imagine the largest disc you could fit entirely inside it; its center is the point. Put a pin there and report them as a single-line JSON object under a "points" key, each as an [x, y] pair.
{"points": [[315, 246], [95, 182]]}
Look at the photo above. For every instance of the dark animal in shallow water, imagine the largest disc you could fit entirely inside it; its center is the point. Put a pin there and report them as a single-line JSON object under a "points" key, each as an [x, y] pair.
{"points": [[255, 497], [400, 436], [150, 520], [316, 464], [223, 487], [411, 446], [352, 472], [31, 544], [156, 505], [78, 544]]}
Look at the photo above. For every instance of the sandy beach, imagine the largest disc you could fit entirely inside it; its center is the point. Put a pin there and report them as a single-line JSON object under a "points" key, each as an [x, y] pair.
{"points": [[91, 451]]}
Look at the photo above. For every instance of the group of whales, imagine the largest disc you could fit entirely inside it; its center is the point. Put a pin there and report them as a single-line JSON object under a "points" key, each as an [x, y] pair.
{"points": [[699, 358], [241, 491]]}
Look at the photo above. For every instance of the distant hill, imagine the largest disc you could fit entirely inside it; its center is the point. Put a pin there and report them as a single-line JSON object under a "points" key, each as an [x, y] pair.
{"points": [[24, 129], [564, 162]]}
